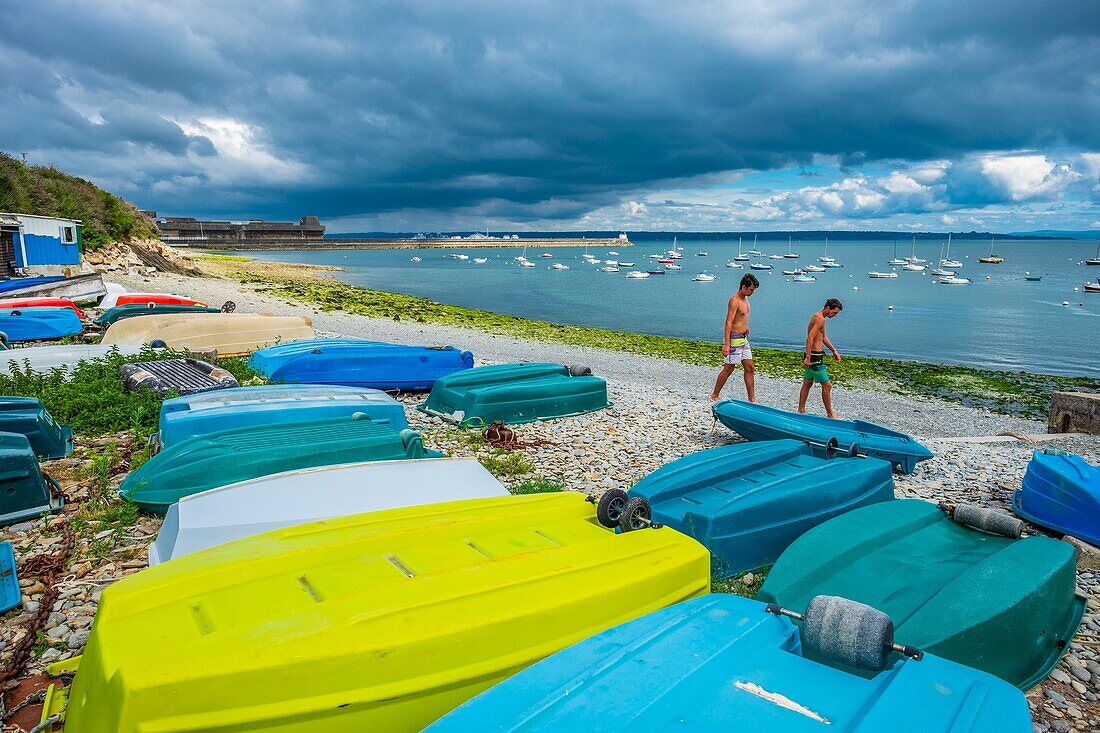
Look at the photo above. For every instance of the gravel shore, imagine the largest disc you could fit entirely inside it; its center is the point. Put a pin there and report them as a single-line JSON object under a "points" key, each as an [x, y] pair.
{"points": [[660, 412]]}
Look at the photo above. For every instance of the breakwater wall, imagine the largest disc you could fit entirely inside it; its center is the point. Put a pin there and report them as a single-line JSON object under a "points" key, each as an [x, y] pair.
{"points": [[417, 243]]}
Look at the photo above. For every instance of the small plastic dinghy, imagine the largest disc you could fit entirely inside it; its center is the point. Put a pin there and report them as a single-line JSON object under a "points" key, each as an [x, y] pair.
{"points": [[25, 491], [113, 299], [515, 393], [248, 508], [39, 324], [251, 407], [759, 422], [1062, 492], [725, 663], [229, 334], [228, 456], [981, 598], [360, 363], [377, 622], [747, 502], [80, 289], [42, 303], [10, 595], [119, 312], [47, 358], [27, 416], [15, 284]]}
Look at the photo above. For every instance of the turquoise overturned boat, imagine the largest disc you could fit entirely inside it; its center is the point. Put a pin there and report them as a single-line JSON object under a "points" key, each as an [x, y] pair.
{"points": [[759, 422], [240, 408], [360, 363], [724, 663], [39, 323], [515, 393], [228, 456], [747, 502], [1062, 492], [961, 588], [26, 416], [133, 310]]}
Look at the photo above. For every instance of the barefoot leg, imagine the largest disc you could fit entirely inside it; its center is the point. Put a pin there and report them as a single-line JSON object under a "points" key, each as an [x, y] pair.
{"points": [[803, 394], [727, 370], [750, 379], [827, 398]]}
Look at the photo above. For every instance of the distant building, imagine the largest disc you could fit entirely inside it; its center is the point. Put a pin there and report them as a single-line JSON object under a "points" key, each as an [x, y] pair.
{"points": [[46, 243], [186, 230]]}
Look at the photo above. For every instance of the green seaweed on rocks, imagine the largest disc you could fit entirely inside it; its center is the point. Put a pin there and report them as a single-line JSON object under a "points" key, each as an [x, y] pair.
{"points": [[1015, 393], [536, 485]]}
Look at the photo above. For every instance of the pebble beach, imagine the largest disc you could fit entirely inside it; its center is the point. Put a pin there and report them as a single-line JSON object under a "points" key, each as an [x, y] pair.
{"points": [[660, 412]]}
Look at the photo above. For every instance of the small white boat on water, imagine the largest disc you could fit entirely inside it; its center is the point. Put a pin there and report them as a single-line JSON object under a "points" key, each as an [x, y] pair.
{"points": [[526, 263], [896, 261], [735, 265], [760, 266], [912, 259], [913, 267], [825, 257], [814, 268], [626, 264], [612, 252], [940, 272], [740, 257], [775, 257], [637, 275], [946, 261], [462, 257], [790, 255], [703, 277], [559, 266], [247, 508], [546, 256], [673, 266], [700, 254], [416, 259], [609, 268], [798, 271], [480, 260], [952, 280], [803, 278], [831, 265], [883, 275], [611, 262]]}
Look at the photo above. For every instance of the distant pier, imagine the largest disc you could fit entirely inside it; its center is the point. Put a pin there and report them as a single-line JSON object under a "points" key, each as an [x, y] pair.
{"points": [[414, 243]]}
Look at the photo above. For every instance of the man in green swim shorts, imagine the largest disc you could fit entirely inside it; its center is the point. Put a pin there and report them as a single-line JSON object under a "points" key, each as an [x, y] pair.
{"points": [[814, 362]]}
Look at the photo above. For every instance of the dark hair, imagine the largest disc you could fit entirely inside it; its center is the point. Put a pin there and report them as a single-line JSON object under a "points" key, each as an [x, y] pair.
{"points": [[834, 303], [749, 279]]}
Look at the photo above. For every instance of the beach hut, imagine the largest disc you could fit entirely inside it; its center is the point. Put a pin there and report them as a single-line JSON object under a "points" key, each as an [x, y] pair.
{"points": [[45, 243]]}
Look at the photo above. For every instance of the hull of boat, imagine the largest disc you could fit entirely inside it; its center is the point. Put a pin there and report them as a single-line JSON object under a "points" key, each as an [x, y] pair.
{"points": [[513, 394], [382, 621], [26, 492], [81, 289], [1061, 491], [183, 418], [1003, 606], [758, 422], [39, 324], [115, 299], [248, 508], [42, 303], [66, 358], [723, 663], [26, 416], [746, 503], [229, 456], [360, 363], [229, 334], [119, 312]]}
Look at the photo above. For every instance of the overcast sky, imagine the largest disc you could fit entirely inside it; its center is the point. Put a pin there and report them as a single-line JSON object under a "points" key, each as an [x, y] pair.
{"points": [[568, 115]]}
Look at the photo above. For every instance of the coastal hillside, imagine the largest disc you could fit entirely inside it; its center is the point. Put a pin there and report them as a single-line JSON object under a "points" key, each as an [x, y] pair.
{"points": [[47, 191]]}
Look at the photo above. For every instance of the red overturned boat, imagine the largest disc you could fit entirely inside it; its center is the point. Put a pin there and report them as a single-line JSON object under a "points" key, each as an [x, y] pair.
{"points": [[146, 298], [42, 303]]}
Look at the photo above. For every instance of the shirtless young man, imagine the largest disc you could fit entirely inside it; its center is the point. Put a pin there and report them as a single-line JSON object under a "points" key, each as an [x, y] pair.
{"points": [[814, 363], [735, 339]]}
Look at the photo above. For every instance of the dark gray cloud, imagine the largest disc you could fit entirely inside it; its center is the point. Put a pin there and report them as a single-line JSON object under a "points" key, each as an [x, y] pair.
{"points": [[534, 110]]}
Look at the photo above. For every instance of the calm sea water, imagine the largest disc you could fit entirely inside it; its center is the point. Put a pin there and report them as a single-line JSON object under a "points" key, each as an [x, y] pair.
{"points": [[999, 321]]}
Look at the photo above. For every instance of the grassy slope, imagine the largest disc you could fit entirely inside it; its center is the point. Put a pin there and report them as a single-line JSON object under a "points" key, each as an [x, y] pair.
{"points": [[49, 192], [1016, 393]]}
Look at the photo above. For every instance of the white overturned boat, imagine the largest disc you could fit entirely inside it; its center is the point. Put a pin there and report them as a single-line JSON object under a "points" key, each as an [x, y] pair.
{"points": [[248, 508], [43, 359]]}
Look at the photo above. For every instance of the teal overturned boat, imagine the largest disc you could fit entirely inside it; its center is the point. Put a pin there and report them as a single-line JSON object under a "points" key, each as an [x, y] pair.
{"points": [[240, 454], [963, 589], [747, 502], [514, 394], [26, 492], [723, 664], [27, 416], [759, 422], [133, 310], [192, 416]]}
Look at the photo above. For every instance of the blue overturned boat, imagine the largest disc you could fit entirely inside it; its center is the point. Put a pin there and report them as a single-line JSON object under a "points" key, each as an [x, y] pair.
{"points": [[1062, 492], [39, 324], [10, 595], [22, 283], [759, 422], [747, 502], [182, 418], [724, 663], [360, 363]]}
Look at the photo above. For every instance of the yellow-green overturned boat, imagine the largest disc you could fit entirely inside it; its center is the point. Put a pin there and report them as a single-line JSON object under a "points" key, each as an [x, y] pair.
{"points": [[377, 622]]}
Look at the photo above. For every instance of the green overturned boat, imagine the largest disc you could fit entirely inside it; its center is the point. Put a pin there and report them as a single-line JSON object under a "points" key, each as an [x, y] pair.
{"points": [[228, 456], [959, 586], [514, 394], [133, 310]]}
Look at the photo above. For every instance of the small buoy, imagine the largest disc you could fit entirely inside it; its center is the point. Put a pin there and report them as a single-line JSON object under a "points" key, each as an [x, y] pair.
{"points": [[988, 277], [1075, 290], [1065, 302], [890, 308]]}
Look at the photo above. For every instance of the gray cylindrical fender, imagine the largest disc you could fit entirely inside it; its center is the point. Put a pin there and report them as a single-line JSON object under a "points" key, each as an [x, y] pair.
{"points": [[848, 632]]}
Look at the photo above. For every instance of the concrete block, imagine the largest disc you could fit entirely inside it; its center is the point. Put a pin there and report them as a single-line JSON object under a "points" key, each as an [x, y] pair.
{"points": [[1074, 412]]}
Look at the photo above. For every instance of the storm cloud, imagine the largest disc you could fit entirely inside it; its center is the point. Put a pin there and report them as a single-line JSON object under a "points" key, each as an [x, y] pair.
{"points": [[543, 114]]}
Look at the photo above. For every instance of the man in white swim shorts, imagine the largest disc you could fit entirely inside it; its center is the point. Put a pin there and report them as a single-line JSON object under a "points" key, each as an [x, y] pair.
{"points": [[735, 340]]}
